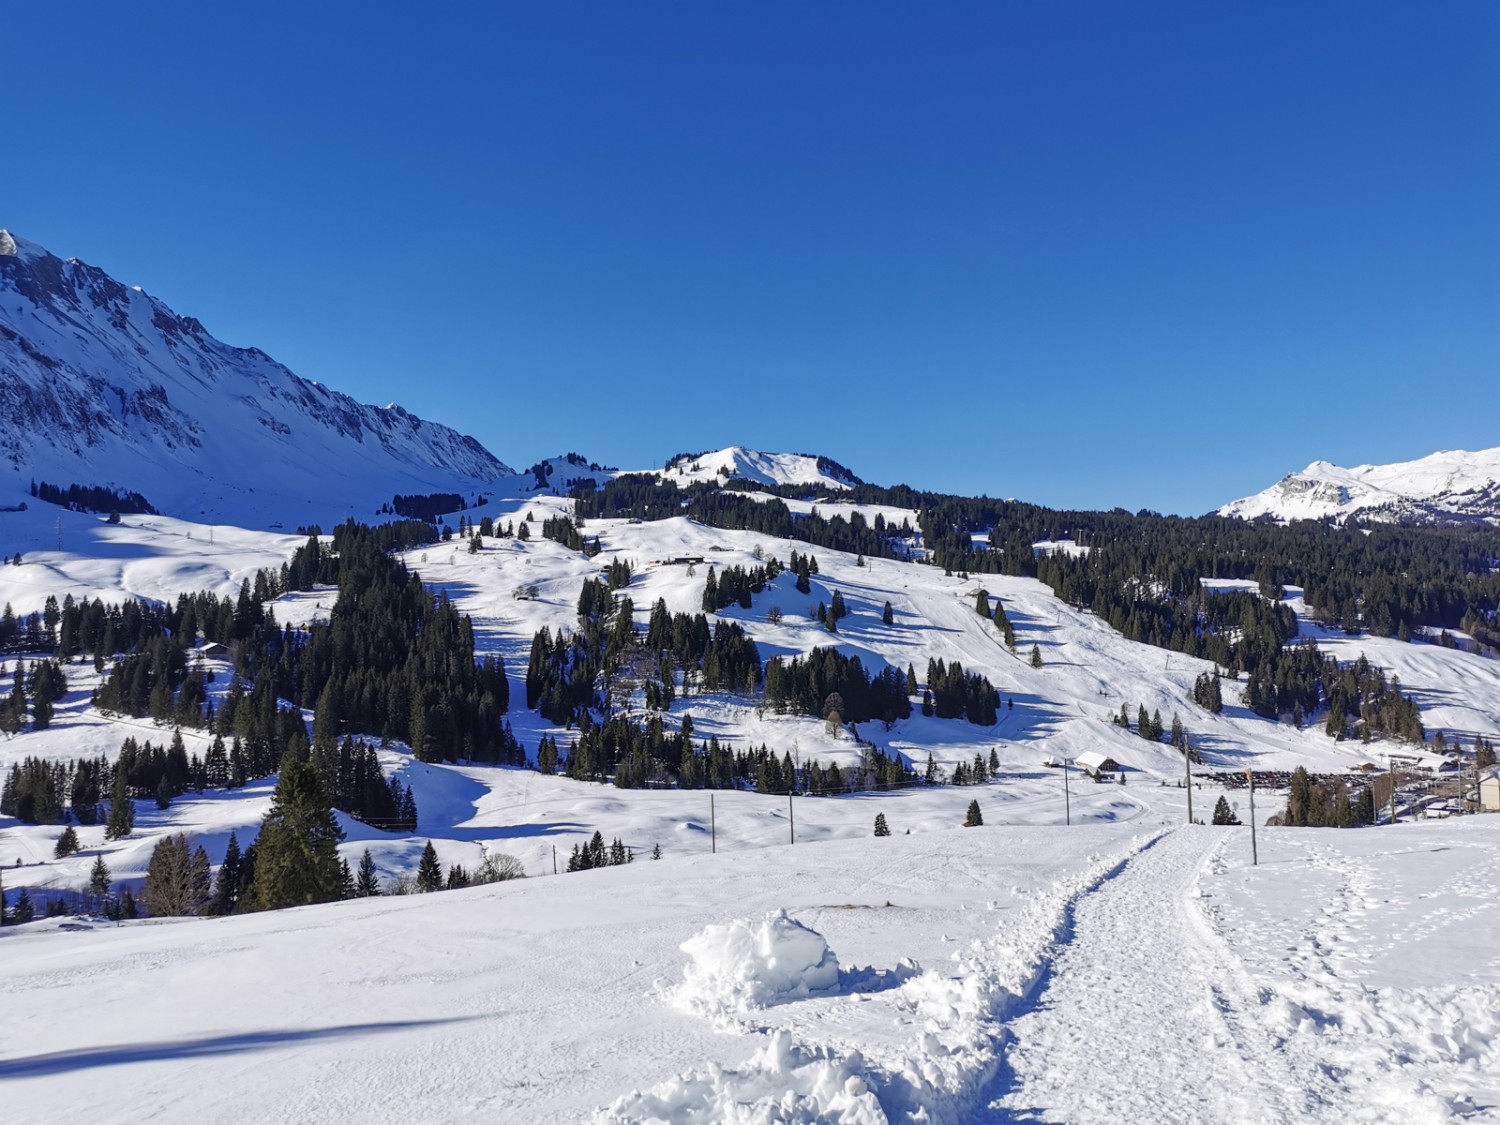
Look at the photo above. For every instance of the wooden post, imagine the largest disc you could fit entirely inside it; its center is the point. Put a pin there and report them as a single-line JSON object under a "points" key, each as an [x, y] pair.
{"points": [[1187, 761], [1391, 769], [791, 818], [1254, 854], [554, 859], [1067, 801], [713, 829]]}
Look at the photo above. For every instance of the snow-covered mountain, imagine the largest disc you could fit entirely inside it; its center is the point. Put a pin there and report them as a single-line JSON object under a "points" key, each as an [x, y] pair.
{"points": [[103, 384], [762, 468], [1452, 486]]}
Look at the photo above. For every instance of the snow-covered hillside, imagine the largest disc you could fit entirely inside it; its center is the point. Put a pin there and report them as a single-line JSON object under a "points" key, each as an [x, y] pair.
{"points": [[1092, 974], [975, 968], [1453, 486], [761, 468], [105, 385]]}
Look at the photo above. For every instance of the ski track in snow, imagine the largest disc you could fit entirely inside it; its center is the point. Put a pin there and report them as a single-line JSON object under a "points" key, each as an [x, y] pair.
{"points": [[937, 1071], [1139, 993]]}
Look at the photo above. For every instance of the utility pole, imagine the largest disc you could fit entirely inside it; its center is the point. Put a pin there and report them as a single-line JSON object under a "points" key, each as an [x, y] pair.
{"points": [[1254, 853], [1187, 760], [554, 859], [791, 820], [713, 827], [1067, 800]]}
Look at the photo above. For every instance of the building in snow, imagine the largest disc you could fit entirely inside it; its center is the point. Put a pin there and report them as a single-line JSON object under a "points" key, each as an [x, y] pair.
{"points": [[1489, 791], [1095, 764]]}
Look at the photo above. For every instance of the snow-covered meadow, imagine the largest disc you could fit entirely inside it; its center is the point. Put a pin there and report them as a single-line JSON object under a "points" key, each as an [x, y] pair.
{"points": [[1118, 966]]}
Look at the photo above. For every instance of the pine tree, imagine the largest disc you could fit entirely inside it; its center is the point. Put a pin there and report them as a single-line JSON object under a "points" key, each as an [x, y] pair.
{"points": [[227, 884], [296, 854], [67, 844], [881, 828], [177, 881], [121, 808], [888, 615], [1223, 814], [656, 851], [99, 878], [429, 871], [366, 884], [1036, 657], [24, 911], [974, 818]]}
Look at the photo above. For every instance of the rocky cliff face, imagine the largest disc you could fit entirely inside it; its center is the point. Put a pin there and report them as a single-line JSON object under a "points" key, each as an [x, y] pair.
{"points": [[102, 384]]}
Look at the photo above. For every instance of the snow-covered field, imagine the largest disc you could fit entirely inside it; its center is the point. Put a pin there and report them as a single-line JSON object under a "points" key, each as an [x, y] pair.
{"points": [[1123, 967], [1098, 973]]}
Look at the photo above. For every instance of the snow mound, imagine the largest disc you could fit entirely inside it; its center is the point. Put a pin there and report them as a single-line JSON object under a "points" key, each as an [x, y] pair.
{"points": [[783, 1083], [746, 965]]}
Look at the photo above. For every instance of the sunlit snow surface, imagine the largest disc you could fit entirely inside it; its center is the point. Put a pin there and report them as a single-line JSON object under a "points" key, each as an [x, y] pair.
{"points": [[1113, 969]]}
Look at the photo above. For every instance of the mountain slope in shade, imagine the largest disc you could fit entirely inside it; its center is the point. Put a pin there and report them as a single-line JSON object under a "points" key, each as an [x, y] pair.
{"points": [[1452, 486], [103, 384], [762, 468]]}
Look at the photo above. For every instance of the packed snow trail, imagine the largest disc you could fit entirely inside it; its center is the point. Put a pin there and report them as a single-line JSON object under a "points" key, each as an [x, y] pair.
{"points": [[1143, 1015]]}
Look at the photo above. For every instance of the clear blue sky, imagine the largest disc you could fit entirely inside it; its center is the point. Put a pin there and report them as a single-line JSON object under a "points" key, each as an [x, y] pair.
{"points": [[1152, 255]]}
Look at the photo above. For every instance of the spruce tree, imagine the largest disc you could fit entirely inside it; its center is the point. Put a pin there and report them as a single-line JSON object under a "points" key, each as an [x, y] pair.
{"points": [[881, 828], [99, 877], [227, 885], [888, 615], [366, 884], [121, 808], [1036, 657], [67, 844], [297, 859], [1223, 814], [429, 871], [975, 818]]}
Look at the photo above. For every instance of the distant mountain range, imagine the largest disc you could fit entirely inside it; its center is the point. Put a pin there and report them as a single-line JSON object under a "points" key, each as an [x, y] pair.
{"points": [[1452, 486], [102, 384]]}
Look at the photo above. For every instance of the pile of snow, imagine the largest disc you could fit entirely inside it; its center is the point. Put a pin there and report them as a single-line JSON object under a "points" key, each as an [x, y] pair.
{"points": [[746, 965], [784, 1082]]}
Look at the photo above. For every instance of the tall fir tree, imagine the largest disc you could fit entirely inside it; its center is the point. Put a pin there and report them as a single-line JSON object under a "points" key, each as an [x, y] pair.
{"points": [[297, 859]]}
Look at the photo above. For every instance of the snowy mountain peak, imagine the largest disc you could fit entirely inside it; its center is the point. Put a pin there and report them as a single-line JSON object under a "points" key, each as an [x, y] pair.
{"points": [[773, 469], [8, 248], [1450, 486], [106, 385]]}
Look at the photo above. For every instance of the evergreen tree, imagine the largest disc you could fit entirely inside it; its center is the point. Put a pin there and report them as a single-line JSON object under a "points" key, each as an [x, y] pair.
{"points": [[1223, 814], [24, 911], [656, 851], [99, 877], [888, 615], [429, 871], [67, 844], [366, 884], [296, 854], [121, 808], [227, 884], [1036, 657], [974, 818], [881, 828], [177, 881]]}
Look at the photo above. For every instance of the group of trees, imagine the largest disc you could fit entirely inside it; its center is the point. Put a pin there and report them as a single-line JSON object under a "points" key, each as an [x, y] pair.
{"points": [[1327, 803], [951, 692], [737, 585], [93, 498], [831, 686], [32, 694]]}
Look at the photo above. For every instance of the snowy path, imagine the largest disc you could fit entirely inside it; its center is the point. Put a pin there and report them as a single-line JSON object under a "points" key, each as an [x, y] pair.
{"points": [[1139, 995]]}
